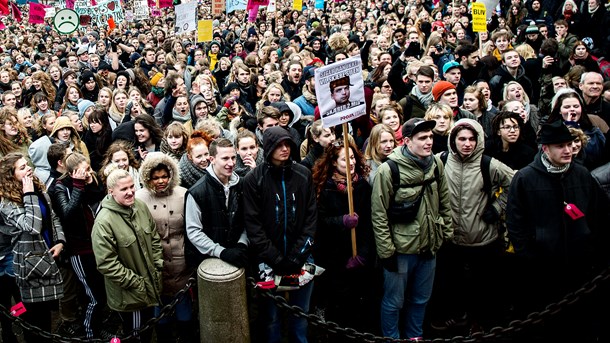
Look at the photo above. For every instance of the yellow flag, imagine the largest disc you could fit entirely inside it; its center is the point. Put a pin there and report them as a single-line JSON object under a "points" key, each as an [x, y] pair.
{"points": [[204, 31]]}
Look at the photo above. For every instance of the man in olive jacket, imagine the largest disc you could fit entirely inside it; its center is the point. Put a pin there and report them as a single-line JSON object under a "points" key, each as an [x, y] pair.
{"points": [[407, 248], [128, 253]]}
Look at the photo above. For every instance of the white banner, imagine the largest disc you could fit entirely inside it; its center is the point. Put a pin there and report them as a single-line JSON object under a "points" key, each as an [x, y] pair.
{"points": [[340, 91], [186, 17]]}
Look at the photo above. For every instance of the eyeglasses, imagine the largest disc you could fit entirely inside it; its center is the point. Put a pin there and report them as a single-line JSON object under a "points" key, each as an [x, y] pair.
{"points": [[511, 128]]}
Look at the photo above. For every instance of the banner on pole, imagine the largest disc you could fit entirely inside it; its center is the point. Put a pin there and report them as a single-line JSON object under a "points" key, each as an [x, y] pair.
{"points": [[340, 91], [297, 5]]}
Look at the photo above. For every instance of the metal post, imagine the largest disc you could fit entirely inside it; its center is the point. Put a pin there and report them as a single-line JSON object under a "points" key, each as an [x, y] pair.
{"points": [[223, 310]]}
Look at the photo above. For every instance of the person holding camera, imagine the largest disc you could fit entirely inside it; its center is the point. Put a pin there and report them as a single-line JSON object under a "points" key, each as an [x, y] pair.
{"points": [[411, 219], [472, 256]]}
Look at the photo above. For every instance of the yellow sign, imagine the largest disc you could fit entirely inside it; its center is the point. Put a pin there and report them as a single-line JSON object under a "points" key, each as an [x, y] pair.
{"points": [[297, 5], [204, 31], [479, 18]]}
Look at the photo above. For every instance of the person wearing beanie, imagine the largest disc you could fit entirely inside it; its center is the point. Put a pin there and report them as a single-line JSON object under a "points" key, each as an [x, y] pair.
{"points": [[157, 91], [533, 36], [452, 72], [444, 92], [214, 54], [85, 107], [89, 86]]}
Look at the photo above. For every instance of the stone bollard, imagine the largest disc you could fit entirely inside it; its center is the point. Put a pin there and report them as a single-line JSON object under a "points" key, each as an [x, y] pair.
{"points": [[223, 310]]}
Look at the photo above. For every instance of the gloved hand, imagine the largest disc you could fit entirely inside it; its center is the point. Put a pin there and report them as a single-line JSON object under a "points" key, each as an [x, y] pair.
{"points": [[287, 267], [242, 247], [350, 222], [234, 256], [230, 102], [390, 264], [355, 262], [490, 215]]}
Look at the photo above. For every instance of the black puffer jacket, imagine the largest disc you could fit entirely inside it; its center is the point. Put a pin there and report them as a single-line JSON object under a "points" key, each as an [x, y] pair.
{"points": [[280, 206]]}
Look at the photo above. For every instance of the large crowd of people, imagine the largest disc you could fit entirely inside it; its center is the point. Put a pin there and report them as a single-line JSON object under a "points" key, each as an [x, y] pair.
{"points": [[480, 173]]}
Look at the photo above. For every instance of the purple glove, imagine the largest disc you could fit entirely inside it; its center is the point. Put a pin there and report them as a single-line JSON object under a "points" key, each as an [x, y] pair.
{"points": [[355, 262], [350, 222], [229, 102]]}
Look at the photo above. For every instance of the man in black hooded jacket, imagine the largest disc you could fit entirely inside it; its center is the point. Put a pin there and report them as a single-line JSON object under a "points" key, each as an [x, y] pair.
{"points": [[280, 215]]}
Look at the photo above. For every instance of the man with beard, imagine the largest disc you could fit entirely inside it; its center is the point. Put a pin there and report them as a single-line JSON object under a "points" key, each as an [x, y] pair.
{"points": [[307, 102], [293, 83]]}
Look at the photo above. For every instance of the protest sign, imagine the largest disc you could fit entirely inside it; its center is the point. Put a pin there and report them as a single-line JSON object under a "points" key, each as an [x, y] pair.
{"points": [[256, 3], [49, 12], [155, 12], [479, 19], [234, 5], [164, 3], [340, 91], [297, 5], [100, 13], [218, 6], [204, 31], [140, 10], [319, 4], [186, 17], [271, 7], [36, 13]]}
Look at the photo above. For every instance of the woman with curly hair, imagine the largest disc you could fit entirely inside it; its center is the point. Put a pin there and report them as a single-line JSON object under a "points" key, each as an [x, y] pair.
{"points": [[13, 136], [515, 17], [346, 277], [38, 240], [41, 82], [120, 154], [192, 164]]}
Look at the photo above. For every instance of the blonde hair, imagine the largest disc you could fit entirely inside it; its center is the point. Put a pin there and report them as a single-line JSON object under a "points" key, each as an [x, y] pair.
{"points": [[114, 175], [435, 109]]}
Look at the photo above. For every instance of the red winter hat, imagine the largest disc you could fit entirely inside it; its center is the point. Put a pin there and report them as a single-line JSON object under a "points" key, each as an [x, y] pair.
{"points": [[440, 88]]}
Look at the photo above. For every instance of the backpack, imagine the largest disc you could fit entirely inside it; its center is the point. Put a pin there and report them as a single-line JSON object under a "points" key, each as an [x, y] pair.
{"points": [[405, 212], [485, 170], [604, 66]]}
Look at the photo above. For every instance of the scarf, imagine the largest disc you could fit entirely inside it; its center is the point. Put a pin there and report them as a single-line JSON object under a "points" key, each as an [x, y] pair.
{"points": [[309, 96], [340, 181], [117, 117], [189, 172], [425, 99], [177, 154], [158, 91], [567, 15], [550, 167], [424, 163], [176, 116], [592, 10]]}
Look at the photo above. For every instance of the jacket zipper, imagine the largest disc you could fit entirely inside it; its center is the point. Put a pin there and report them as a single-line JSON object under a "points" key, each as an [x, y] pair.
{"points": [[285, 213]]}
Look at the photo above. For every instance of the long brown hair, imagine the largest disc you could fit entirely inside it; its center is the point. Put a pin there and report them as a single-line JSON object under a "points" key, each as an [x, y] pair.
{"points": [[6, 143], [10, 188], [115, 147], [324, 168]]}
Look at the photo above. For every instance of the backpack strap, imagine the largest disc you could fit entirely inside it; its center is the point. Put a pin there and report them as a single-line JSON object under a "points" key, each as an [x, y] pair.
{"points": [[444, 156], [486, 171], [395, 174]]}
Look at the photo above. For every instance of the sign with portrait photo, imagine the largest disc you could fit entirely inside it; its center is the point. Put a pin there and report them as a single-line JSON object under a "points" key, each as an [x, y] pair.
{"points": [[340, 91]]}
